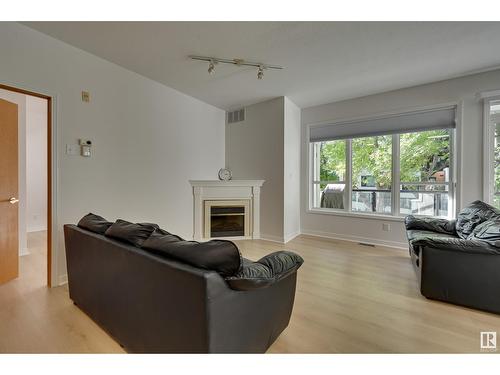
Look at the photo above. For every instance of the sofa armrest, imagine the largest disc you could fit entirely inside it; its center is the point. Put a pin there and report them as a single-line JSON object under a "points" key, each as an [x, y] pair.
{"points": [[430, 223], [458, 245], [266, 271]]}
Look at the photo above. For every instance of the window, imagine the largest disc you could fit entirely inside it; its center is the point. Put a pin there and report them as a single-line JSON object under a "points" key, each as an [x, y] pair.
{"points": [[401, 172], [371, 174], [330, 174], [492, 152], [425, 173]]}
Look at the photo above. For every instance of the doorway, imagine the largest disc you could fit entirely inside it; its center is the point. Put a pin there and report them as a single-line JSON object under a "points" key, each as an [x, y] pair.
{"points": [[26, 193]]}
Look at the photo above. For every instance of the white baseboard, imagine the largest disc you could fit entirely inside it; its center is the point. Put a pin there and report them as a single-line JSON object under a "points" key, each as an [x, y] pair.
{"points": [[357, 239], [271, 237], [291, 236], [37, 229], [24, 252], [63, 279]]}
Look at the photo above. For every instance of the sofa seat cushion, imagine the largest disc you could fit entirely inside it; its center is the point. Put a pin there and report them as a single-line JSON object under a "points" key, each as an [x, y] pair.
{"points": [[217, 255], [266, 271], [473, 215], [94, 223], [413, 234], [132, 233]]}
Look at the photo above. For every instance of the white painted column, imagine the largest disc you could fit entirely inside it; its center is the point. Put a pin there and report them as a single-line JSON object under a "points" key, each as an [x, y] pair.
{"points": [[197, 214], [256, 212]]}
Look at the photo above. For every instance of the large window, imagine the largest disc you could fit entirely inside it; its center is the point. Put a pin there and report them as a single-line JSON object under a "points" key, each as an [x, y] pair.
{"points": [[401, 173], [492, 152]]}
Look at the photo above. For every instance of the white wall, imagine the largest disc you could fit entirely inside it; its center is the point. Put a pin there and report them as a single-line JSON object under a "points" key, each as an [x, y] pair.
{"points": [[291, 170], [254, 150], [267, 146], [149, 139], [20, 100], [36, 164], [470, 159]]}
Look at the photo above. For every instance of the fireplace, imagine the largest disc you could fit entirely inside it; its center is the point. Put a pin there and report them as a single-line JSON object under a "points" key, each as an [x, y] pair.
{"points": [[222, 208], [227, 218]]}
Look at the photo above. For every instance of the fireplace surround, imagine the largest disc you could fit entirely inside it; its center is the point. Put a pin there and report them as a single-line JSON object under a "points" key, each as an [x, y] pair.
{"points": [[226, 209]]}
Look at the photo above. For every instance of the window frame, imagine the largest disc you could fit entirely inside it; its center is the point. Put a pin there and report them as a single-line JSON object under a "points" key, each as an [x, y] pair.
{"points": [[489, 150], [395, 215]]}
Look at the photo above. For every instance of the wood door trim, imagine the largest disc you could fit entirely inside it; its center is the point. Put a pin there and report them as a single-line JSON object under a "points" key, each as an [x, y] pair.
{"points": [[49, 172]]}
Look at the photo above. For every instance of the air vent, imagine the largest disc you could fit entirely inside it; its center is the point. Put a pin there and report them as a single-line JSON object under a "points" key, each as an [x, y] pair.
{"points": [[366, 244], [236, 116]]}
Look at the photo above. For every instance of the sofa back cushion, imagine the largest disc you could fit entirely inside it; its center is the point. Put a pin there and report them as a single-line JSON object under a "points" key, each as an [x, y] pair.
{"points": [[488, 231], [429, 223], [216, 255], [94, 223], [134, 234], [473, 215]]}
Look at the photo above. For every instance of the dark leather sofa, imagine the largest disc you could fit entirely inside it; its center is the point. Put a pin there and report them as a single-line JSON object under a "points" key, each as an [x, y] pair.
{"points": [[153, 292], [458, 261]]}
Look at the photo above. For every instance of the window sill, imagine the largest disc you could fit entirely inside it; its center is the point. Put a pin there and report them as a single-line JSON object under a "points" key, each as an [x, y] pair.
{"points": [[355, 214]]}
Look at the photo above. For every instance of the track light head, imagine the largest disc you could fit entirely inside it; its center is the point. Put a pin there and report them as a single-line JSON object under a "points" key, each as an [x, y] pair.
{"points": [[260, 73], [211, 66]]}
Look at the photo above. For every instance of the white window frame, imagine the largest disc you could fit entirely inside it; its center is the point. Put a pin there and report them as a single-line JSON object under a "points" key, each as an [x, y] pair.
{"points": [[453, 187], [488, 147]]}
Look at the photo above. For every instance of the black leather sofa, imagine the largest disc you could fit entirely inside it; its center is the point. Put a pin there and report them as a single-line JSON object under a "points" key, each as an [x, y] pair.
{"points": [[156, 293], [458, 261]]}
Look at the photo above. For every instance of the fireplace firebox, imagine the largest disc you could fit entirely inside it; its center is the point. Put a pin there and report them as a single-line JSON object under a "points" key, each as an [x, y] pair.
{"points": [[227, 218]]}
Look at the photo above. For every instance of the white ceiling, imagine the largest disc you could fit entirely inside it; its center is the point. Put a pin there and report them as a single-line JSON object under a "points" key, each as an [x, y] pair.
{"points": [[325, 61]]}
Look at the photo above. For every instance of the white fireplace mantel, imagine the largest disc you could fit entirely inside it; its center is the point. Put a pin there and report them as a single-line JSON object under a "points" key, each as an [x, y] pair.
{"points": [[204, 190], [230, 183]]}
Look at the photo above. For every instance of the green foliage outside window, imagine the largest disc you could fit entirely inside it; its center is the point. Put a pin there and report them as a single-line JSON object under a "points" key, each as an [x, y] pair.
{"points": [[422, 154], [332, 160]]}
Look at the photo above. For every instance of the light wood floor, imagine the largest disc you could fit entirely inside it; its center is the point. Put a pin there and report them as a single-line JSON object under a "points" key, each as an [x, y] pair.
{"points": [[350, 299]]}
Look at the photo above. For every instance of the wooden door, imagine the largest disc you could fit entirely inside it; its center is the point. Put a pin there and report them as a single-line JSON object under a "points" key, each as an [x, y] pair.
{"points": [[9, 242]]}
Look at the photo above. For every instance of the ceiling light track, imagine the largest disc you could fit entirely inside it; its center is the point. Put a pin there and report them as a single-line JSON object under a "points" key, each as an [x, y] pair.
{"points": [[212, 61]]}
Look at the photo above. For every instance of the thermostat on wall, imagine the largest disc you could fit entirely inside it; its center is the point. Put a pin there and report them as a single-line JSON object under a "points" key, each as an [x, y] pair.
{"points": [[86, 145]]}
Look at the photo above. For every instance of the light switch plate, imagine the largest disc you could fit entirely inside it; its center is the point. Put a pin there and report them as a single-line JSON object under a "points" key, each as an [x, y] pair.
{"points": [[72, 149]]}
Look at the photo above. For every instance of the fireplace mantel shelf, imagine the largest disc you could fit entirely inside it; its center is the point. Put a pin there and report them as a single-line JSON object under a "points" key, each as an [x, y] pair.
{"points": [[231, 183]]}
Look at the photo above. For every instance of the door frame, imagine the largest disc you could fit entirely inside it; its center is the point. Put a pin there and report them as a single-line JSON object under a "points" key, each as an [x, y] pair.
{"points": [[51, 180]]}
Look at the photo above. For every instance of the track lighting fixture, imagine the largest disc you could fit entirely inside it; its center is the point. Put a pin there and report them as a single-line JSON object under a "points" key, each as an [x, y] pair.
{"points": [[212, 61], [260, 73], [211, 66]]}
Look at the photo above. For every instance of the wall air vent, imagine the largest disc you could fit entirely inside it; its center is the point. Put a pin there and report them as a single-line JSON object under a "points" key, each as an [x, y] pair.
{"points": [[236, 116]]}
